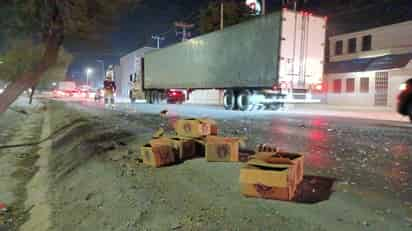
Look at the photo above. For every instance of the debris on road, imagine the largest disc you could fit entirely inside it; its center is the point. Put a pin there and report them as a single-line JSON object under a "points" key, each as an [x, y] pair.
{"points": [[3, 215], [266, 148], [195, 137], [269, 172], [159, 133], [163, 113], [3, 207]]}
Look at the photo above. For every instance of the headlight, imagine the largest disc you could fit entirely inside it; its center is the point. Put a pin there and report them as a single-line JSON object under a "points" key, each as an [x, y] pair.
{"points": [[403, 87]]}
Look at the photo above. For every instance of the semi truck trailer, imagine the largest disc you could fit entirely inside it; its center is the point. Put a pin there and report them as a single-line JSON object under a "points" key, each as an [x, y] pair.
{"points": [[267, 61]]}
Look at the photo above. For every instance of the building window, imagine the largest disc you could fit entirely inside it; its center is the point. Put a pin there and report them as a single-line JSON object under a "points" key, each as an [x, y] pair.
{"points": [[350, 85], [339, 47], [367, 43], [352, 45], [364, 85], [337, 86]]}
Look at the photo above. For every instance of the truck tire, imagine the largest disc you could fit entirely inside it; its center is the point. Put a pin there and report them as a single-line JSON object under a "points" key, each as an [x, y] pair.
{"points": [[157, 97], [274, 106], [244, 101], [149, 97], [229, 100], [154, 97], [132, 99]]}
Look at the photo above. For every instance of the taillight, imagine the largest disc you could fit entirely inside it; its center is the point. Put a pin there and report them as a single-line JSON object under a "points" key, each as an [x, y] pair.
{"points": [[319, 87]]}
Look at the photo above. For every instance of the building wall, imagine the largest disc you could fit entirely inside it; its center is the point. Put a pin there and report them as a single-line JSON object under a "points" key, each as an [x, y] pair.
{"points": [[357, 98], [391, 39], [117, 78]]}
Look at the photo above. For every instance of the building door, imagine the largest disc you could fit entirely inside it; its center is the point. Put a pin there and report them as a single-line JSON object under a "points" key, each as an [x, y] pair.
{"points": [[381, 88]]}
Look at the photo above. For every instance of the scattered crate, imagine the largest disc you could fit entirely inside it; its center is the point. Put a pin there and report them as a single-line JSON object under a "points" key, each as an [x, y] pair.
{"points": [[268, 182], [158, 155], [195, 128], [184, 148], [222, 149], [280, 159]]}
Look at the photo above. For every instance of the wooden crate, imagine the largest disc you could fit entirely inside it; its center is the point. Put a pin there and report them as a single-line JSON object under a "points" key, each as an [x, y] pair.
{"points": [[222, 149], [158, 155], [267, 182]]}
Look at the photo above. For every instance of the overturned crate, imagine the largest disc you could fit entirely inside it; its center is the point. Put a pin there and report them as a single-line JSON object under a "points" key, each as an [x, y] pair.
{"points": [[222, 149], [195, 128], [158, 155]]}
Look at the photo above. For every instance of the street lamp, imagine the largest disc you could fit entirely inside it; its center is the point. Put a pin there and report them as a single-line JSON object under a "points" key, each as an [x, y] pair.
{"points": [[89, 71]]}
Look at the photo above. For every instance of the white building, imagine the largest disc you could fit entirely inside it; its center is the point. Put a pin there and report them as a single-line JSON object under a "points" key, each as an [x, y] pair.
{"points": [[130, 66], [366, 68]]}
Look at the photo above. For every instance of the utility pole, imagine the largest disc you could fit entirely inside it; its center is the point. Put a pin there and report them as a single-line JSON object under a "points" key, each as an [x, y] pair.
{"points": [[185, 27], [222, 11], [158, 39]]}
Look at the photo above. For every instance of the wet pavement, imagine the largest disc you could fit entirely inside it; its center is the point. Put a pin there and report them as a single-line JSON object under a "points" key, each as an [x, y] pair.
{"points": [[375, 155]]}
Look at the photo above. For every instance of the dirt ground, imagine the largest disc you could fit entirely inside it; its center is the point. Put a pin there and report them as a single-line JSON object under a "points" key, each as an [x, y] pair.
{"points": [[83, 173]]}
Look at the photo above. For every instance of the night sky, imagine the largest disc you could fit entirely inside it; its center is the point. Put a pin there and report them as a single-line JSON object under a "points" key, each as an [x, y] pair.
{"points": [[134, 28]]}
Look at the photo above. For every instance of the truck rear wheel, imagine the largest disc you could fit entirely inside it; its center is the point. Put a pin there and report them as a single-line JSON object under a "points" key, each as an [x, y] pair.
{"points": [[149, 97], [156, 98], [229, 100], [131, 97], [244, 101]]}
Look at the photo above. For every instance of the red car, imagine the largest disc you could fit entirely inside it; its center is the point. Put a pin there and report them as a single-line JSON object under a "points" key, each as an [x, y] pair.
{"points": [[65, 93], [175, 96]]}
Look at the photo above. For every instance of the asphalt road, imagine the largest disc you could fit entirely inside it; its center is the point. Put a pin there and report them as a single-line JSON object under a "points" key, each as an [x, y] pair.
{"points": [[369, 161], [376, 154]]}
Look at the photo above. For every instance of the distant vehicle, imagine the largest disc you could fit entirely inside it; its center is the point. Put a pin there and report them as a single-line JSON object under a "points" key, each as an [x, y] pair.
{"points": [[405, 99], [172, 96], [85, 91], [65, 89], [99, 94], [175, 96], [266, 61]]}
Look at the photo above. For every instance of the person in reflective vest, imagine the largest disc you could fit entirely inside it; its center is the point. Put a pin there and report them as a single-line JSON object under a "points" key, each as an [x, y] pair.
{"points": [[109, 88]]}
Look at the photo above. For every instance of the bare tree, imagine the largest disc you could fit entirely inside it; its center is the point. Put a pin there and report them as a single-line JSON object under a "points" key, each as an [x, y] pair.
{"points": [[51, 21]]}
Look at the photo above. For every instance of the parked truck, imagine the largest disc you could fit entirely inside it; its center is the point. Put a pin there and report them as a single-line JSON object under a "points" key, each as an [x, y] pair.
{"points": [[266, 61]]}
